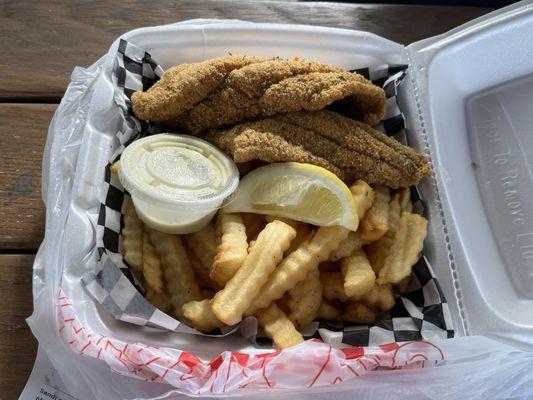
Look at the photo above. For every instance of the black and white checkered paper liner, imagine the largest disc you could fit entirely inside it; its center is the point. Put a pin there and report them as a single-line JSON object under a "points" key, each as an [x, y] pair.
{"points": [[420, 313]]}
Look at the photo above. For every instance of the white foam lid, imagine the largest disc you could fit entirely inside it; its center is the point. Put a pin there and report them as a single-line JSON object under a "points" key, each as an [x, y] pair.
{"points": [[471, 95]]}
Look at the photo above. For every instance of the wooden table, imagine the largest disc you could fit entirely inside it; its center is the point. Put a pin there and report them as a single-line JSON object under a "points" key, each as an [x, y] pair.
{"points": [[43, 41]]}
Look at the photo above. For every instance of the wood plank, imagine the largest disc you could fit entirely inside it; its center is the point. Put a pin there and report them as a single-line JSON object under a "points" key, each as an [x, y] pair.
{"points": [[43, 41], [17, 345], [23, 129]]}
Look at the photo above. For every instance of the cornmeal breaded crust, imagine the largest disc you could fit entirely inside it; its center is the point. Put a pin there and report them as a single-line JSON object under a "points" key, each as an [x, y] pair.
{"points": [[233, 89], [350, 149], [183, 86]]}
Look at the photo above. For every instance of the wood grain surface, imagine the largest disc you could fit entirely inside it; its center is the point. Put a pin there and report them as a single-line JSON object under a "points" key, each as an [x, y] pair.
{"points": [[17, 345], [44, 40], [23, 130]]}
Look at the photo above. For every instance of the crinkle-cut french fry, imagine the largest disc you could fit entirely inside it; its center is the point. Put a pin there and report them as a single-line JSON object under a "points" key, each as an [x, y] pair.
{"points": [[200, 272], [288, 221], [231, 302], [359, 277], [295, 267], [177, 271], [363, 196], [114, 167], [378, 251], [207, 294], [278, 327], [303, 232], [160, 300], [405, 249], [359, 313], [328, 312], [346, 247], [380, 296], [232, 248], [329, 266], [405, 200], [305, 299], [201, 316], [395, 212], [376, 220], [283, 303], [333, 286], [254, 224], [132, 240], [203, 243], [152, 270]]}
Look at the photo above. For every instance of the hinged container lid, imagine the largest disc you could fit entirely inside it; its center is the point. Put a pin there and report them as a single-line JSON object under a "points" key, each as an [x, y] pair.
{"points": [[470, 96]]}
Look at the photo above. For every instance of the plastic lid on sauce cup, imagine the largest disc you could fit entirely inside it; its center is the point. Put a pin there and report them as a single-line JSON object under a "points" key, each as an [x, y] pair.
{"points": [[177, 182]]}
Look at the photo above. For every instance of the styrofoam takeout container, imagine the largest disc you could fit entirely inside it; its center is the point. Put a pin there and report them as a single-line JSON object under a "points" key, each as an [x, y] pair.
{"points": [[468, 105], [467, 95]]}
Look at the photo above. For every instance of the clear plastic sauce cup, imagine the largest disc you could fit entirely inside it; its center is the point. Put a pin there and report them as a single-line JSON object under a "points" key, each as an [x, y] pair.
{"points": [[177, 182]]}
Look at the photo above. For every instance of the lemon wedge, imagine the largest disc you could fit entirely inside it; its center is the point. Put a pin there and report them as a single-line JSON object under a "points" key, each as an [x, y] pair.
{"points": [[302, 192]]}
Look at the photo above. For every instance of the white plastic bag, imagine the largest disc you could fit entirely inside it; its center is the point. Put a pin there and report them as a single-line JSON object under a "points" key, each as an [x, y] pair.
{"points": [[472, 367]]}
